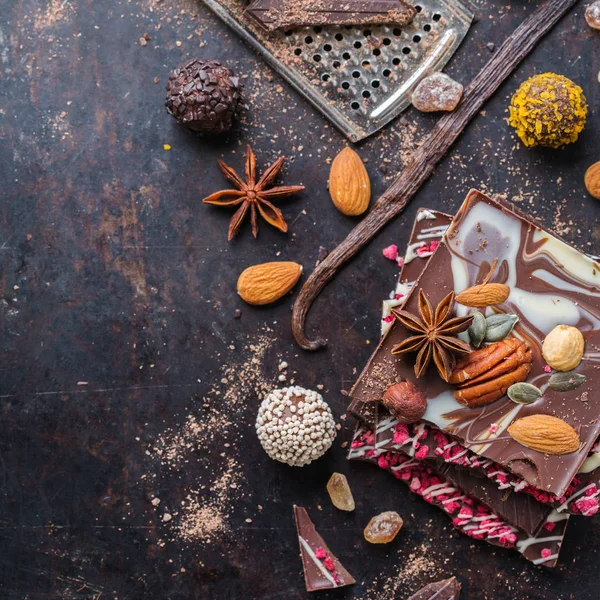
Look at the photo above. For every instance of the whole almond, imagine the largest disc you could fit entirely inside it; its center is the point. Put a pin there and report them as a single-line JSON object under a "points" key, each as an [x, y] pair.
{"points": [[349, 183], [546, 434], [487, 294], [592, 180], [266, 283]]}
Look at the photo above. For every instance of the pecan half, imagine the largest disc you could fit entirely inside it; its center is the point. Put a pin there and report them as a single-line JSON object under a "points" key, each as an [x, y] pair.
{"points": [[484, 375]]}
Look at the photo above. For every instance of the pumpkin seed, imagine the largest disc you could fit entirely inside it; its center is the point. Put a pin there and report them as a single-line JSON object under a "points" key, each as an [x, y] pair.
{"points": [[477, 329], [499, 326], [565, 382], [523, 393]]}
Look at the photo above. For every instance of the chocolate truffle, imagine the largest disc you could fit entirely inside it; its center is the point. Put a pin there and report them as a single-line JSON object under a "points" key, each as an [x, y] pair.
{"points": [[295, 426]]}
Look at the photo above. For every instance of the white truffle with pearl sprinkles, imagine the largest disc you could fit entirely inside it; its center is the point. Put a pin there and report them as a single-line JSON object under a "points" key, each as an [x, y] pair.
{"points": [[295, 426]]}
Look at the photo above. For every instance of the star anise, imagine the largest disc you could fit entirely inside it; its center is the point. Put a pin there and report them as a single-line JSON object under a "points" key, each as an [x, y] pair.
{"points": [[253, 196], [436, 335]]}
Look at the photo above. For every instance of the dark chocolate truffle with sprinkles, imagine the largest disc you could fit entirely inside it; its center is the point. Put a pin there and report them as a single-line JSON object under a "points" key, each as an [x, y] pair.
{"points": [[204, 96]]}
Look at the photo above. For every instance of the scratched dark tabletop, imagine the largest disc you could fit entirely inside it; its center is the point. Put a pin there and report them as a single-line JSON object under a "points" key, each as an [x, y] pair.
{"points": [[117, 325]]}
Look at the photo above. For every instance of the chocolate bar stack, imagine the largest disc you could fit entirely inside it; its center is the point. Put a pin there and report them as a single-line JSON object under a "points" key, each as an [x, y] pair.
{"points": [[498, 467]]}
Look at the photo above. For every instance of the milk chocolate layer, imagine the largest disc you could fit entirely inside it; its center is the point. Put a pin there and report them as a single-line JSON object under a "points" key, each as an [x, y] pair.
{"points": [[551, 284], [290, 14], [447, 589], [322, 570]]}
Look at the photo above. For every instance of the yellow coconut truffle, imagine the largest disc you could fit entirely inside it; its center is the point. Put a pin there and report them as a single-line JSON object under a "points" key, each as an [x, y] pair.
{"points": [[548, 110]]}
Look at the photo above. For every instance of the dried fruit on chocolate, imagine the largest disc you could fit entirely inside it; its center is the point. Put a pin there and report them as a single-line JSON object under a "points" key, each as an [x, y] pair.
{"points": [[436, 335], [484, 294], [252, 195], [405, 401], [563, 348], [340, 493], [545, 433], [266, 283], [383, 528], [485, 375], [349, 183]]}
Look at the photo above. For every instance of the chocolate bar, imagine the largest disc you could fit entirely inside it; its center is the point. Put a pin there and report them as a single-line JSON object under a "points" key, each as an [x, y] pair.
{"points": [[428, 230], [551, 284], [472, 518], [426, 442], [322, 570], [521, 510], [290, 14], [447, 589]]}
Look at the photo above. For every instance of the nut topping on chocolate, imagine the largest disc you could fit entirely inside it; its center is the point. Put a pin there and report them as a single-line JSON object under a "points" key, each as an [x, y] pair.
{"points": [[406, 402], [546, 434], [485, 375], [563, 348]]}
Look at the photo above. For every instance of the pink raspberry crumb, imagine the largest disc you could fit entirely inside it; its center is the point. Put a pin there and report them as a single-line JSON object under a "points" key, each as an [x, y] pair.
{"points": [[422, 452], [549, 526], [433, 246], [391, 252], [320, 553], [329, 564], [400, 262], [546, 552], [494, 427], [547, 369]]}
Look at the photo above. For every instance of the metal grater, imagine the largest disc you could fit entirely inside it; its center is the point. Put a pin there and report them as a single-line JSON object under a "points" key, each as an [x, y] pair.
{"points": [[360, 78]]}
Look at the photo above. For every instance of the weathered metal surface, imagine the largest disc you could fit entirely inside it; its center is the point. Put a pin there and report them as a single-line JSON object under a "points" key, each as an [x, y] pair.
{"points": [[113, 273]]}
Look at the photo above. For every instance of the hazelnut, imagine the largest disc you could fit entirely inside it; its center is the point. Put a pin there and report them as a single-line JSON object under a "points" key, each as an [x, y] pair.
{"points": [[563, 348], [406, 402]]}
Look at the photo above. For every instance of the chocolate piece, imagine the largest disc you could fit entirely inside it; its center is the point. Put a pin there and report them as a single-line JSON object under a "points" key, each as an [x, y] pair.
{"points": [[520, 509], [447, 589], [551, 283], [322, 570], [427, 232], [468, 515], [289, 14]]}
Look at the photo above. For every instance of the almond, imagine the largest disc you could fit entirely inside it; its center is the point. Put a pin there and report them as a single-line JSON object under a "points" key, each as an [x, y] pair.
{"points": [[349, 183], [486, 294], [592, 180], [546, 434], [266, 283]]}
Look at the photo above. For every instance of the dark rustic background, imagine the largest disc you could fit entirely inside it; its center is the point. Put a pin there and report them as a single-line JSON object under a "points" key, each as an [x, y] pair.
{"points": [[125, 377]]}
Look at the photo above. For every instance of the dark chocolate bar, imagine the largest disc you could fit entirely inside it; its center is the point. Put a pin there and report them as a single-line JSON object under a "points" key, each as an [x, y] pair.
{"points": [[322, 570], [290, 14], [447, 589], [551, 284]]}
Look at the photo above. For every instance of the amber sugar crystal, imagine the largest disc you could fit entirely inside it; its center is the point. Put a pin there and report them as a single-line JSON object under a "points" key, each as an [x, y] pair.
{"points": [[340, 492], [383, 528]]}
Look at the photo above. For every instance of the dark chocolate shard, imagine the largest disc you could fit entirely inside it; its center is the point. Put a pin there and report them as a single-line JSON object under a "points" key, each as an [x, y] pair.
{"points": [[322, 570], [447, 589], [290, 14]]}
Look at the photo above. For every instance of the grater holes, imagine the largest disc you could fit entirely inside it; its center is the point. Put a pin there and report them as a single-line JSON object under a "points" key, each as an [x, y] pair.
{"points": [[377, 52], [326, 77], [337, 64], [367, 33], [317, 58], [366, 94], [346, 56], [418, 8], [387, 41], [339, 37], [327, 47], [366, 64], [396, 61], [345, 85], [427, 27], [436, 17], [297, 52], [357, 44], [406, 50], [375, 83], [355, 105], [308, 39], [416, 39], [397, 32], [356, 74], [386, 72]]}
